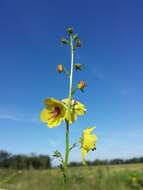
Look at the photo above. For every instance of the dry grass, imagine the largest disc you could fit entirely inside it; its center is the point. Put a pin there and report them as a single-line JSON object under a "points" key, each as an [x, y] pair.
{"points": [[118, 177]]}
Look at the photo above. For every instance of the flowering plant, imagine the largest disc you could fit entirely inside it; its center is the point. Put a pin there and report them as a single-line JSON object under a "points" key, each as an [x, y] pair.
{"points": [[68, 109]]}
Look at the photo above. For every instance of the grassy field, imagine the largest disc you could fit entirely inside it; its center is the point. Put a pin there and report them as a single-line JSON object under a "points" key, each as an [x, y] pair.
{"points": [[118, 177]]}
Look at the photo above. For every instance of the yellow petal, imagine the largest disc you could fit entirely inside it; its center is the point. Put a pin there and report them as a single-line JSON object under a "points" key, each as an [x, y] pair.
{"points": [[79, 108], [54, 123], [72, 117], [51, 102], [89, 141], [65, 101], [94, 138], [44, 115], [84, 152], [89, 130]]}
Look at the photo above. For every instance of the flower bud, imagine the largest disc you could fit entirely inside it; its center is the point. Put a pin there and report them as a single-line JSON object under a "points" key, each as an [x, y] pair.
{"points": [[78, 43], [78, 66], [64, 41], [70, 30], [60, 68], [75, 36], [81, 85], [57, 154]]}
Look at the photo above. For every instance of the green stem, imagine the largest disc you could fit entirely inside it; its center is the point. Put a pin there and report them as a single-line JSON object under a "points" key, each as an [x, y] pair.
{"points": [[68, 110], [72, 68], [67, 152]]}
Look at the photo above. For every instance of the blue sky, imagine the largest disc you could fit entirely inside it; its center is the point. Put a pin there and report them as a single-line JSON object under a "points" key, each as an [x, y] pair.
{"points": [[112, 34]]}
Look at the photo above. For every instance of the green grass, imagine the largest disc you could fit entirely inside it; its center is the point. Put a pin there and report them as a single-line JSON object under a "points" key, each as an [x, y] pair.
{"points": [[118, 177]]}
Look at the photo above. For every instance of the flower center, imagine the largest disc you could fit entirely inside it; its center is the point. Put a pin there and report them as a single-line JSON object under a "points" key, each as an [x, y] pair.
{"points": [[57, 111]]}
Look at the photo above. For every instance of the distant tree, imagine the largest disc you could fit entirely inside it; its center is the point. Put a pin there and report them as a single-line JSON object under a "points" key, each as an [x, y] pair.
{"points": [[75, 164], [117, 161], [4, 159], [4, 155], [20, 161]]}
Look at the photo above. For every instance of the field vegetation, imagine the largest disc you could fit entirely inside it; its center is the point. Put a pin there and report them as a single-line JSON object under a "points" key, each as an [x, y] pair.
{"points": [[109, 177]]}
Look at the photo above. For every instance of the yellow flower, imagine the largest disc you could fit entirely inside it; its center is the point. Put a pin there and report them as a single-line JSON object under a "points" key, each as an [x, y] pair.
{"points": [[76, 109], [54, 112], [88, 142]]}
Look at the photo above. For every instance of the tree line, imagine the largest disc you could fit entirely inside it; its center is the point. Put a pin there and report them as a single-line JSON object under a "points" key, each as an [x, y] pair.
{"points": [[33, 161], [20, 161], [110, 162]]}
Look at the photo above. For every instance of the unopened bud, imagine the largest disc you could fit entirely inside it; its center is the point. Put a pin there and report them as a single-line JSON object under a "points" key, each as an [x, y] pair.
{"points": [[75, 36], [78, 66], [70, 30], [81, 85], [64, 41], [78, 43], [57, 154], [60, 68]]}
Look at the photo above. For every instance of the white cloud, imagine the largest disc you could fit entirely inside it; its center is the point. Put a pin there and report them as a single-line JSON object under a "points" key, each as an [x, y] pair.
{"points": [[6, 116], [18, 117]]}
